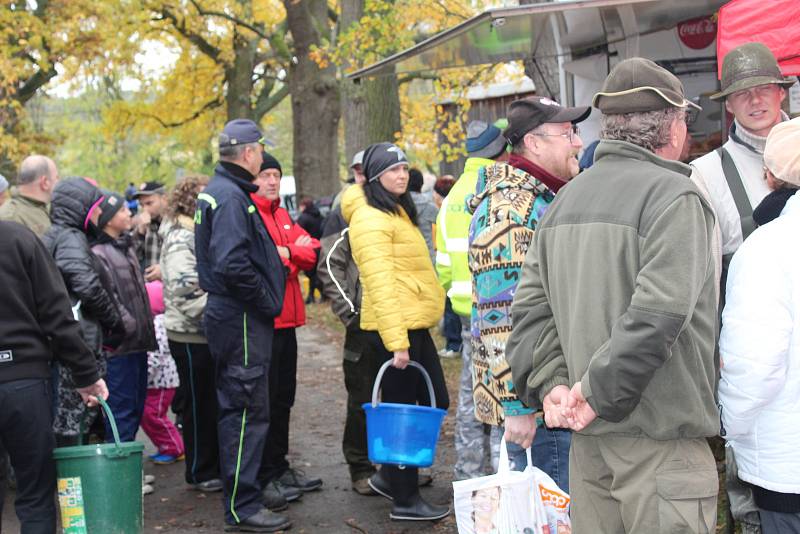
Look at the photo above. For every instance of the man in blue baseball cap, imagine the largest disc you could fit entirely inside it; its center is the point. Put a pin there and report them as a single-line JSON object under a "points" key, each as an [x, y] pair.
{"points": [[240, 269]]}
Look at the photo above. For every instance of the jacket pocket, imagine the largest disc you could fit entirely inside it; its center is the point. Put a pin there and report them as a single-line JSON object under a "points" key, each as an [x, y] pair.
{"points": [[245, 387], [687, 500]]}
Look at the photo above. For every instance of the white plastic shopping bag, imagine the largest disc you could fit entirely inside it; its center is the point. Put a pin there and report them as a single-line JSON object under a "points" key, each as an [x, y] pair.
{"points": [[552, 500], [503, 503]]}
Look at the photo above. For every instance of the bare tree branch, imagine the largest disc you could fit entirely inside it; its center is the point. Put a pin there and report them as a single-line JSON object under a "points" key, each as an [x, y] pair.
{"points": [[265, 104], [449, 12], [34, 83], [193, 37], [230, 18], [211, 104]]}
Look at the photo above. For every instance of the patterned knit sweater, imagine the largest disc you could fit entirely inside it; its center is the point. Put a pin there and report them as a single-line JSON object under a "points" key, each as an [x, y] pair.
{"points": [[508, 204]]}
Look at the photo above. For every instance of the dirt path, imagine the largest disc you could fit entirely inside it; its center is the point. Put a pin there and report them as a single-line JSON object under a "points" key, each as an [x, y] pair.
{"points": [[317, 424]]}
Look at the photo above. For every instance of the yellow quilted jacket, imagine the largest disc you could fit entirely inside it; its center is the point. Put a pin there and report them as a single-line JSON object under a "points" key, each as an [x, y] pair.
{"points": [[401, 291]]}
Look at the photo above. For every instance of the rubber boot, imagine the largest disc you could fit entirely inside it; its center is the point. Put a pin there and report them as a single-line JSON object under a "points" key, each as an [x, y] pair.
{"points": [[408, 504]]}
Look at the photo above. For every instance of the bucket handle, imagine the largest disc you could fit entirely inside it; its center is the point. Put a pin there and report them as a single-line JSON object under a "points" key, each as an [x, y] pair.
{"points": [[385, 366], [113, 423]]}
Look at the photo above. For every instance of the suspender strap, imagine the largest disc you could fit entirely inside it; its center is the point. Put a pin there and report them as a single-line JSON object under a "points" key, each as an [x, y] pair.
{"points": [[737, 190]]}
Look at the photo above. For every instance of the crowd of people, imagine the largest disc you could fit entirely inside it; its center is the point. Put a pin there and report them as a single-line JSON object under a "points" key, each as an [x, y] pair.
{"points": [[585, 300]]}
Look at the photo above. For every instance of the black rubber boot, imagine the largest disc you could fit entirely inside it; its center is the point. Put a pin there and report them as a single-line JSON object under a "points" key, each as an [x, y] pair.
{"points": [[408, 503]]}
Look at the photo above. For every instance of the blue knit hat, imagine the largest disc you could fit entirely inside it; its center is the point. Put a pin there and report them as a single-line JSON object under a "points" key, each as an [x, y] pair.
{"points": [[484, 140]]}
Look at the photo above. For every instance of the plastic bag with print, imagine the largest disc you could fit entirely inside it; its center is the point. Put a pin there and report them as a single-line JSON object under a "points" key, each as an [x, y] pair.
{"points": [[503, 503], [553, 501]]}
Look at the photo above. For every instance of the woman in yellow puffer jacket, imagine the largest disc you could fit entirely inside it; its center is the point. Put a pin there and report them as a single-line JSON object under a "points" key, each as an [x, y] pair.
{"points": [[401, 300]]}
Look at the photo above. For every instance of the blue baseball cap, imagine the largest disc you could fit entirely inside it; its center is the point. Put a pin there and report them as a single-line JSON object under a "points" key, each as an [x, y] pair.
{"points": [[240, 132]]}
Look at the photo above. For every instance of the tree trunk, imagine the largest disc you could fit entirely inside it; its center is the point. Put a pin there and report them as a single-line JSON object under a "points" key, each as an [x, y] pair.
{"points": [[239, 75], [315, 103], [371, 107]]}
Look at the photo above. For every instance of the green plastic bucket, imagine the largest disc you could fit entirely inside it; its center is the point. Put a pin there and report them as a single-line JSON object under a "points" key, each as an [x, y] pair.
{"points": [[100, 486]]}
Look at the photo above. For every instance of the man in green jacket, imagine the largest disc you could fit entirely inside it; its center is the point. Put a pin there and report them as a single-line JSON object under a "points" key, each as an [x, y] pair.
{"points": [[30, 200], [614, 319], [485, 145]]}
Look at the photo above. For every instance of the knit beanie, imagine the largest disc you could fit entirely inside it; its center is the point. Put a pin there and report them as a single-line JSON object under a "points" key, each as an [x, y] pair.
{"points": [[782, 153], [381, 157], [155, 293], [270, 163], [110, 205]]}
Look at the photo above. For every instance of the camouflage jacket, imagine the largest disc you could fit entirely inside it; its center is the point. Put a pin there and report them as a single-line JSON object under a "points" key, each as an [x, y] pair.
{"points": [[184, 301]]}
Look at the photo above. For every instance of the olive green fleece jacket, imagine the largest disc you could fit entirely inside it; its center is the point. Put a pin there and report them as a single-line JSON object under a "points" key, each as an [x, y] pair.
{"points": [[617, 292]]}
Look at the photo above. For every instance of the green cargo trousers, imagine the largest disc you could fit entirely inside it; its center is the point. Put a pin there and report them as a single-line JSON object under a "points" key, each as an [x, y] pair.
{"points": [[635, 484], [360, 369]]}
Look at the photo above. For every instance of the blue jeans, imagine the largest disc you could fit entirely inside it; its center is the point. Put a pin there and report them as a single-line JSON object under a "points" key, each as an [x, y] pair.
{"points": [[550, 453], [452, 327], [127, 389]]}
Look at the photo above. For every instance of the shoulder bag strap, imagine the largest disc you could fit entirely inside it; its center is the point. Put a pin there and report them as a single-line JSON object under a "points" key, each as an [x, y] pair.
{"points": [[737, 190]]}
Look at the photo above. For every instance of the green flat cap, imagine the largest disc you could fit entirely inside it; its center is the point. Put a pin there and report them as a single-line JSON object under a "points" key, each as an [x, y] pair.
{"points": [[747, 66], [637, 85]]}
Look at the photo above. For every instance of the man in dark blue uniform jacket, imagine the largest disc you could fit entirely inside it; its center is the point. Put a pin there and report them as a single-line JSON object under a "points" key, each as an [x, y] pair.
{"points": [[241, 270]]}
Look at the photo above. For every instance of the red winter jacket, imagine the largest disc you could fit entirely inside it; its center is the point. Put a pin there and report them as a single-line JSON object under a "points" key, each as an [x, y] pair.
{"points": [[284, 233]]}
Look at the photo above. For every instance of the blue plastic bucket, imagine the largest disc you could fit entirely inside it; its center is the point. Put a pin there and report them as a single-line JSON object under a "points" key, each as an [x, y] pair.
{"points": [[402, 434]]}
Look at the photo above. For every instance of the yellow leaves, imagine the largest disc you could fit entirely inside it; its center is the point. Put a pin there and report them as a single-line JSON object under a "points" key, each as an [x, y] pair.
{"points": [[319, 56], [435, 114], [268, 12]]}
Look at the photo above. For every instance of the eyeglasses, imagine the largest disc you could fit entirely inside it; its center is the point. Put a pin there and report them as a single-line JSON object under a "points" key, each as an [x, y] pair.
{"points": [[571, 134]]}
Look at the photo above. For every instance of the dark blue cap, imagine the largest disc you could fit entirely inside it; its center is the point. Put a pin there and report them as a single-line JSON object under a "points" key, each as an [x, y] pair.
{"points": [[240, 132]]}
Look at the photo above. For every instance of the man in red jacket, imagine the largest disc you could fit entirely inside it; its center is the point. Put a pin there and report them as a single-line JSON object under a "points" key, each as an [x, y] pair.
{"points": [[298, 252]]}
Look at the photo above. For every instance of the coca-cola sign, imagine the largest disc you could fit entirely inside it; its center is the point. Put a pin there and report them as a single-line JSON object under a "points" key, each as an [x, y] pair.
{"points": [[698, 33]]}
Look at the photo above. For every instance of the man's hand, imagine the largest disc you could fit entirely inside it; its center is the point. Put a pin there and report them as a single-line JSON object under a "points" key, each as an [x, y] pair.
{"points": [[142, 221], [89, 394], [303, 241], [579, 413], [554, 404], [152, 273], [401, 359], [520, 429], [284, 253]]}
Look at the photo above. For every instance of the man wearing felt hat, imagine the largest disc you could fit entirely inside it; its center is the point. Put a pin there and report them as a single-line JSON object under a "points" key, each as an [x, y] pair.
{"points": [[239, 267], [752, 89], [615, 319]]}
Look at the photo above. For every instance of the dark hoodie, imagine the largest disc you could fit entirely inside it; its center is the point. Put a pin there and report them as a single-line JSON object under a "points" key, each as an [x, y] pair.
{"points": [[70, 208], [311, 221]]}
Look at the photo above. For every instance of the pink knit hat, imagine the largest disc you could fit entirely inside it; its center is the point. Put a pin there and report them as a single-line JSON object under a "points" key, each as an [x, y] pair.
{"points": [[155, 290]]}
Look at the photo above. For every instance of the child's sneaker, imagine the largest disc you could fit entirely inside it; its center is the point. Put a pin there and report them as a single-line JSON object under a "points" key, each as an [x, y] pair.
{"points": [[147, 489], [165, 459]]}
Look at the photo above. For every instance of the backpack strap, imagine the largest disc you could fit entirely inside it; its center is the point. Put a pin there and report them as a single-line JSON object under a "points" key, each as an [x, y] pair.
{"points": [[736, 186]]}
